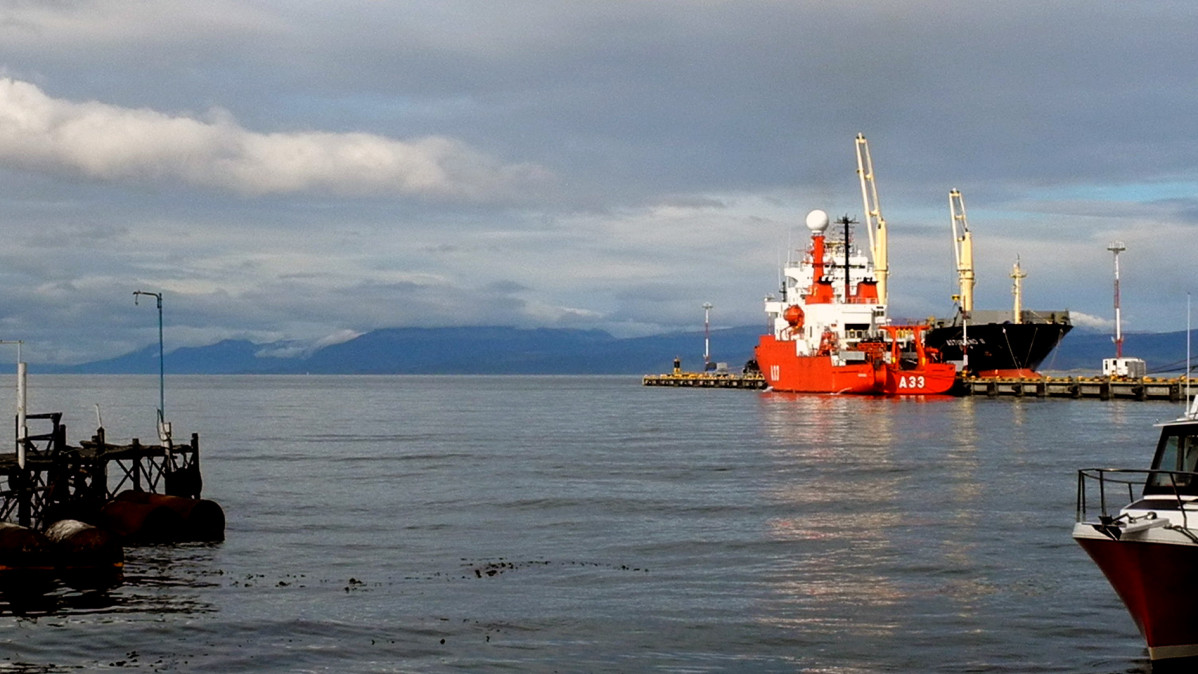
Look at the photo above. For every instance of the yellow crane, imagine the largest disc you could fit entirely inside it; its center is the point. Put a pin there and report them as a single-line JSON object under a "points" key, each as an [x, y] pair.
{"points": [[962, 250], [875, 223]]}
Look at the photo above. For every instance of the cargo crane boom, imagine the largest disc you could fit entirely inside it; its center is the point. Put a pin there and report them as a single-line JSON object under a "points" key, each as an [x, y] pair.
{"points": [[962, 250], [875, 223]]}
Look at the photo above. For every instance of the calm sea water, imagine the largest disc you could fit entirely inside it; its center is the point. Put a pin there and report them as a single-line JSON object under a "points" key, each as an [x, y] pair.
{"points": [[570, 524]]}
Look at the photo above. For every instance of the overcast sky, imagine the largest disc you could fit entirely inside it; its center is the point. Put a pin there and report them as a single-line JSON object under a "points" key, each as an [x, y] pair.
{"points": [[309, 170]]}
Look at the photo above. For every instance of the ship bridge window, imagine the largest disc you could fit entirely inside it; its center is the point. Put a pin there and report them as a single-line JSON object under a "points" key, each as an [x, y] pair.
{"points": [[1177, 459]]}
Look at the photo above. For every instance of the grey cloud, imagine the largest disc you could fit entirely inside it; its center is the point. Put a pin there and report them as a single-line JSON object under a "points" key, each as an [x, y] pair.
{"points": [[613, 164]]}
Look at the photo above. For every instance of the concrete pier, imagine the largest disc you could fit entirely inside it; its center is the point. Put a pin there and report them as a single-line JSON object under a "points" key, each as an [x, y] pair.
{"points": [[1094, 387], [705, 380], [1100, 388]]}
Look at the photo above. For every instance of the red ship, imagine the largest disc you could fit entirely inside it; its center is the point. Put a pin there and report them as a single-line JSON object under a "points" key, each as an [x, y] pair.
{"points": [[829, 330], [1148, 551]]}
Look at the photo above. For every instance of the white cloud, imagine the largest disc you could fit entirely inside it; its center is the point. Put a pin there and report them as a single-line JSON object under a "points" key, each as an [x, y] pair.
{"points": [[1089, 322], [110, 143]]}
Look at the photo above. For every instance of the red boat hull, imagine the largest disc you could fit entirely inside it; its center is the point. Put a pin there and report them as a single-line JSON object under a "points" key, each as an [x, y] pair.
{"points": [[786, 371], [928, 379], [1156, 583]]}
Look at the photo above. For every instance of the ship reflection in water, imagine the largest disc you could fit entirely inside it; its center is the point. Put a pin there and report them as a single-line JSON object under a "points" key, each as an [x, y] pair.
{"points": [[896, 537], [836, 580]]}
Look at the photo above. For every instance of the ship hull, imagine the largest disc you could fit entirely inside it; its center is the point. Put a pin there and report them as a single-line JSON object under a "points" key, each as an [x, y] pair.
{"points": [[786, 371], [998, 349], [929, 379], [1155, 582]]}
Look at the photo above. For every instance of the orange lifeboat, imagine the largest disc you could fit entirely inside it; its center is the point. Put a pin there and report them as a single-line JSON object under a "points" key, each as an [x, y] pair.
{"points": [[794, 318]]}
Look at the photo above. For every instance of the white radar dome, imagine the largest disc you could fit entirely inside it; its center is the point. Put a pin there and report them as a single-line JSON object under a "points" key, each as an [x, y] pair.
{"points": [[817, 221]]}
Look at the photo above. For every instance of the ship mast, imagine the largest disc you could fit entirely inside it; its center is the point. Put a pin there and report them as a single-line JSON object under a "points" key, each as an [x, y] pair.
{"points": [[846, 221], [875, 223], [962, 250], [1018, 274]]}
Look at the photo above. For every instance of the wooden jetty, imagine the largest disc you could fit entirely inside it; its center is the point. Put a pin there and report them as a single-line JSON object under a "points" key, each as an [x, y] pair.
{"points": [[60, 481]]}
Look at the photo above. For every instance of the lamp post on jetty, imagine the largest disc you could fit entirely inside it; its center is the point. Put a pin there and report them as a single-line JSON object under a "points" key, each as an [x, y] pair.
{"points": [[707, 336], [164, 429], [1117, 247]]}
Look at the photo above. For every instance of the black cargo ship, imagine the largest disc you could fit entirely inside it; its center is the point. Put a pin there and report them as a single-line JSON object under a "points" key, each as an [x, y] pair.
{"points": [[997, 345]]}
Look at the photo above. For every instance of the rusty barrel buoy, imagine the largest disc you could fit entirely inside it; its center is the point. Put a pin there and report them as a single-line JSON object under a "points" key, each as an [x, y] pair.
{"points": [[87, 557], [26, 562], [140, 522], [159, 518]]}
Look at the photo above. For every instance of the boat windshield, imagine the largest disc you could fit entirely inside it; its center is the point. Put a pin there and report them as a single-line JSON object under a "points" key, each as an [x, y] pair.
{"points": [[1177, 460]]}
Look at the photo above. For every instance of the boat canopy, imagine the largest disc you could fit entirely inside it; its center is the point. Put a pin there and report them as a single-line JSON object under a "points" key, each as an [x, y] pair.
{"points": [[1175, 465]]}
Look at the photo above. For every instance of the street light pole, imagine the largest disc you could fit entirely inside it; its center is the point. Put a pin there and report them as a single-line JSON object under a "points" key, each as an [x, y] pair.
{"points": [[1117, 247], [707, 336], [164, 431]]}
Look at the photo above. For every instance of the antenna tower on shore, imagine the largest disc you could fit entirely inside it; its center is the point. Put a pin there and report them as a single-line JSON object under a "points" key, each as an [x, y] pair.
{"points": [[1117, 247]]}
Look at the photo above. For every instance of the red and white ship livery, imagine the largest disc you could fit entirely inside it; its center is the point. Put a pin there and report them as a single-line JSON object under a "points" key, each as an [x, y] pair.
{"points": [[830, 333], [829, 330], [1148, 550]]}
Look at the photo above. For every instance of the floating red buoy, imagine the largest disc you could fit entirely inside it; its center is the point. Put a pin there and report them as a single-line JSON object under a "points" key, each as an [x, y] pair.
{"points": [[26, 562], [87, 557], [160, 518]]}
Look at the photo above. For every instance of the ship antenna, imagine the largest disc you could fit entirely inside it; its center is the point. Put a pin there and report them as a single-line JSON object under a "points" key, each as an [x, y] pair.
{"points": [[846, 221], [782, 271], [785, 262]]}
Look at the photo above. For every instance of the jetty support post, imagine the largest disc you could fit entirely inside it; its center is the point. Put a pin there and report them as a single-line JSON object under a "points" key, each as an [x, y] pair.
{"points": [[135, 465], [22, 421], [21, 479], [99, 468], [23, 488]]}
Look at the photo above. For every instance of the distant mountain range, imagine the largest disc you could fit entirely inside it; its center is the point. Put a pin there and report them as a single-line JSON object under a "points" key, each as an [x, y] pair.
{"points": [[506, 350]]}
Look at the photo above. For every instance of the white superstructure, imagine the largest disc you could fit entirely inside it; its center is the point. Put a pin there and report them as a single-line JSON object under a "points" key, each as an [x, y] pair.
{"points": [[833, 289]]}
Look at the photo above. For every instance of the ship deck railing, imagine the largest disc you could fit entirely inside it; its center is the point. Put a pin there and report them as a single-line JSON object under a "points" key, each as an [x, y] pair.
{"points": [[1105, 490]]}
